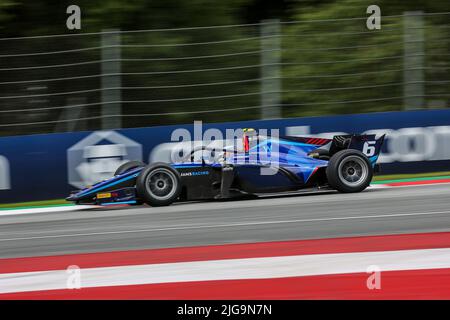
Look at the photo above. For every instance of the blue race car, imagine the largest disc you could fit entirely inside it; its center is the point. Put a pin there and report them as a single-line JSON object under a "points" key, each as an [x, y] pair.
{"points": [[262, 165]]}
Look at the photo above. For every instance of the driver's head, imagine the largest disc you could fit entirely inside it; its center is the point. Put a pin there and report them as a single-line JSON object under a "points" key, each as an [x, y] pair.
{"points": [[249, 139]]}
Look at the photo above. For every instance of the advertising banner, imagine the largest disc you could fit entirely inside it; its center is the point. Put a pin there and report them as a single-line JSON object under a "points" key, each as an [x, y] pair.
{"points": [[49, 166]]}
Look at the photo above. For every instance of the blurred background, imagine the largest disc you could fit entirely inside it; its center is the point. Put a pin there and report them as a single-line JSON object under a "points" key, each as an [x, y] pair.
{"points": [[161, 65], [146, 63]]}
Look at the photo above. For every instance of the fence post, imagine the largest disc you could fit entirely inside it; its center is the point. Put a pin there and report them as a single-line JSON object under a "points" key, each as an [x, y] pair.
{"points": [[110, 42], [413, 60], [73, 114], [270, 69]]}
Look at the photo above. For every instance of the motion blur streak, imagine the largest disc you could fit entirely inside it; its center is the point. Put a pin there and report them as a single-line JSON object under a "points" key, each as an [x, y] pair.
{"points": [[255, 258], [242, 221], [270, 266], [415, 284], [230, 251]]}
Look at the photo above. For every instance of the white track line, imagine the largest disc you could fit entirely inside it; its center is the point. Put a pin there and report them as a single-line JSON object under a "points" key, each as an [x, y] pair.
{"points": [[190, 227], [250, 268], [379, 186], [11, 212]]}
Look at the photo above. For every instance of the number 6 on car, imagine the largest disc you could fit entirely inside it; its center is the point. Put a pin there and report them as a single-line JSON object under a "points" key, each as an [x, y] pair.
{"points": [[369, 148]]}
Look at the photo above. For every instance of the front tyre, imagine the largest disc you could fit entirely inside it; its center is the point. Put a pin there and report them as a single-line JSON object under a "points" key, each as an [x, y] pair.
{"points": [[349, 171], [158, 184]]}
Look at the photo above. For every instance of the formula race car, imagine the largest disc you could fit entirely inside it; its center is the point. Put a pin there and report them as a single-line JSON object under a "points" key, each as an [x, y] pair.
{"points": [[260, 164]]}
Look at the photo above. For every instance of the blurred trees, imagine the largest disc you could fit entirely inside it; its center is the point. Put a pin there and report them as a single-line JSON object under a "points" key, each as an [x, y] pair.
{"points": [[5, 5], [154, 65], [328, 66], [367, 64]]}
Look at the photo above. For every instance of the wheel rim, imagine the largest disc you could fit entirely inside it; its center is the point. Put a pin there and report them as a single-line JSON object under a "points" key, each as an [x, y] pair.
{"points": [[161, 184], [353, 171]]}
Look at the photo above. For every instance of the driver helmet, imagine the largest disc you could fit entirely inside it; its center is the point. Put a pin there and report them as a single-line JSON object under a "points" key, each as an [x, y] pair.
{"points": [[249, 139]]}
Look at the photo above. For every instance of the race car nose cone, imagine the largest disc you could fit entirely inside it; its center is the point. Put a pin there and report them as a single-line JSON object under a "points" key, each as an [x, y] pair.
{"points": [[73, 196]]}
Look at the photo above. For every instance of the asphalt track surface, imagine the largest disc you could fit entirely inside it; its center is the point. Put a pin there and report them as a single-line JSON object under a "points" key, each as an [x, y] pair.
{"points": [[316, 215]]}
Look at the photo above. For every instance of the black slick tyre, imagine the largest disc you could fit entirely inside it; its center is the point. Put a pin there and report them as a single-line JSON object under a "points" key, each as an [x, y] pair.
{"points": [[349, 171], [158, 184]]}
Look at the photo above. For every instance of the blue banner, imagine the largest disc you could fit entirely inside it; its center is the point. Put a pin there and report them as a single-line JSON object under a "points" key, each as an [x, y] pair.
{"points": [[49, 166]]}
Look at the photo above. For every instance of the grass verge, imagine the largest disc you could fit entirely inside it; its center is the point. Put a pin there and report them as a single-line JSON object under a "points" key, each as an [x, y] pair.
{"points": [[411, 176], [34, 204]]}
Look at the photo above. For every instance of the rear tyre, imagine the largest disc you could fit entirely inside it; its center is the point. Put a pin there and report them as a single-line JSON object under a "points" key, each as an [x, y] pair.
{"points": [[349, 171], [128, 166], [158, 184]]}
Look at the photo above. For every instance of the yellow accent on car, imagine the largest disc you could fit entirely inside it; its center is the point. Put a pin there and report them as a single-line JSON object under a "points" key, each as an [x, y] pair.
{"points": [[103, 195]]}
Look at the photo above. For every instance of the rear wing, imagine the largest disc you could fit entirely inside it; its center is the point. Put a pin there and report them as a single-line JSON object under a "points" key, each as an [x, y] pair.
{"points": [[366, 143]]}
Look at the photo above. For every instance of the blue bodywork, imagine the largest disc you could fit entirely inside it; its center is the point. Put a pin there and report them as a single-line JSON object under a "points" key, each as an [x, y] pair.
{"points": [[292, 156]]}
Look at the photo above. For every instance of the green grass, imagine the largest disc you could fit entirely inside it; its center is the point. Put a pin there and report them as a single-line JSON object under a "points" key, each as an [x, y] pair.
{"points": [[418, 176], [34, 204]]}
